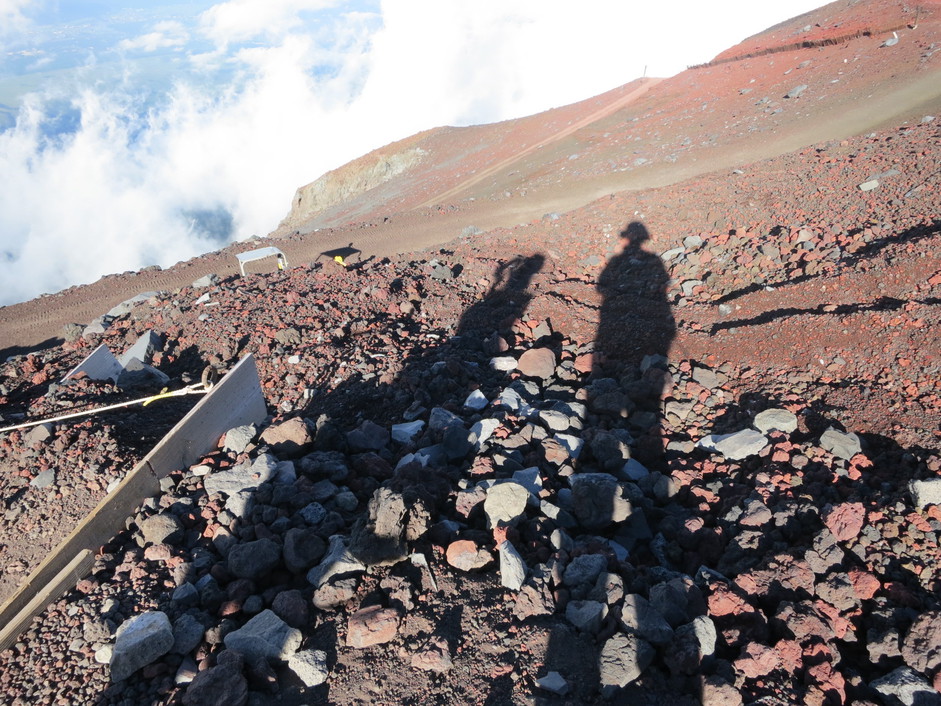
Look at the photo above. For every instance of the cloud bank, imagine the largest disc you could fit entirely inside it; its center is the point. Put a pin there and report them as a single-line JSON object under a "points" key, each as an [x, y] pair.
{"points": [[107, 175]]}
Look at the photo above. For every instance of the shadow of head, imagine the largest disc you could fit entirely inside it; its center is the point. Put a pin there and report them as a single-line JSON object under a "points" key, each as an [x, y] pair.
{"points": [[635, 234], [515, 274]]}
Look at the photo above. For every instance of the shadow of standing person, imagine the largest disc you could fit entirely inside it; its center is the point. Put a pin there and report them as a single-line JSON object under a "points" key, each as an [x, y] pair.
{"points": [[635, 331]]}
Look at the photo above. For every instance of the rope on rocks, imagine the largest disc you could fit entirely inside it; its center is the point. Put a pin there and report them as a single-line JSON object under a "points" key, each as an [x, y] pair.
{"points": [[199, 388]]}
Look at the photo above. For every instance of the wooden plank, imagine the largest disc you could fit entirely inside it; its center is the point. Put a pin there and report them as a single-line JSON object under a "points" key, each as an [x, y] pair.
{"points": [[236, 400], [70, 574]]}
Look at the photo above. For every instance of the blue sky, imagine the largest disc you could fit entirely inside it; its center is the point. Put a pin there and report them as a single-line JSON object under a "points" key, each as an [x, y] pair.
{"points": [[142, 133]]}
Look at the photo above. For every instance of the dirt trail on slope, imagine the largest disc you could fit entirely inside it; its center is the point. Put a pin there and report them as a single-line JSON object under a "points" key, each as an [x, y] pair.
{"points": [[504, 164]]}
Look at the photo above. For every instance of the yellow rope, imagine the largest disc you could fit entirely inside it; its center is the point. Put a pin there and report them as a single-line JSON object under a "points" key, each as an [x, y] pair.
{"points": [[199, 388]]}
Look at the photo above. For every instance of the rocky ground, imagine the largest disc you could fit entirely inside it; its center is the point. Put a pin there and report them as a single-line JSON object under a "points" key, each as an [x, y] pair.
{"points": [[698, 463]]}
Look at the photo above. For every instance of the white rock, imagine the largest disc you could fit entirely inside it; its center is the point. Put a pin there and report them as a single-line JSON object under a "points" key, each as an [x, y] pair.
{"points": [[554, 683], [504, 363], [139, 641], [925, 492], [476, 401], [735, 446], [406, 432], [310, 666], [776, 420], [484, 429], [512, 567], [505, 502], [572, 444]]}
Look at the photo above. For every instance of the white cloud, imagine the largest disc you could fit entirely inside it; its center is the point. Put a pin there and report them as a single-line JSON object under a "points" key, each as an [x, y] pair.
{"points": [[13, 19], [240, 20], [165, 35]]}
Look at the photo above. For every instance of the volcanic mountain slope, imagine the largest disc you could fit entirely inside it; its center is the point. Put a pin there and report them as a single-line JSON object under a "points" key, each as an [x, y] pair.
{"points": [[677, 444], [428, 189]]}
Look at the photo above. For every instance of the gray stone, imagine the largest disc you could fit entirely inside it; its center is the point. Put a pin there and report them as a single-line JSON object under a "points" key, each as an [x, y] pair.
{"points": [[796, 91], [265, 635], [240, 503], [476, 401], [906, 687], [776, 420], [128, 305], [37, 434], [623, 659], [407, 432], [554, 683], [237, 439], [608, 588], [841, 444], [456, 442], [338, 561], [586, 615], [138, 642], [44, 479], [598, 500], [641, 618], [925, 492], [512, 567], [137, 374], [735, 446], [572, 444], [554, 420], [378, 539], [186, 595], [505, 503], [440, 419], [634, 470], [368, 437], [483, 430], [756, 513], [710, 379], [313, 514], [143, 349], [610, 448], [222, 684], [205, 281], [303, 548], [244, 476], [584, 569], [162, 528], [691, 644], [335, 593], [529, 478], [921, 648], [187, 634], [253, 560], [310, 666], [869, 185], [670, 600]]}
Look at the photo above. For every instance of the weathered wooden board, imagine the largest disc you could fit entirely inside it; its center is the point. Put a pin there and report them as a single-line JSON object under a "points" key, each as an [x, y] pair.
{"points": [[236, 400]]}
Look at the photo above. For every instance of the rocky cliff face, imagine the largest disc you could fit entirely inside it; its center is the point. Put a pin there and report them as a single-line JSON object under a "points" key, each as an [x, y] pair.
{"points": [[349, 181]]}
